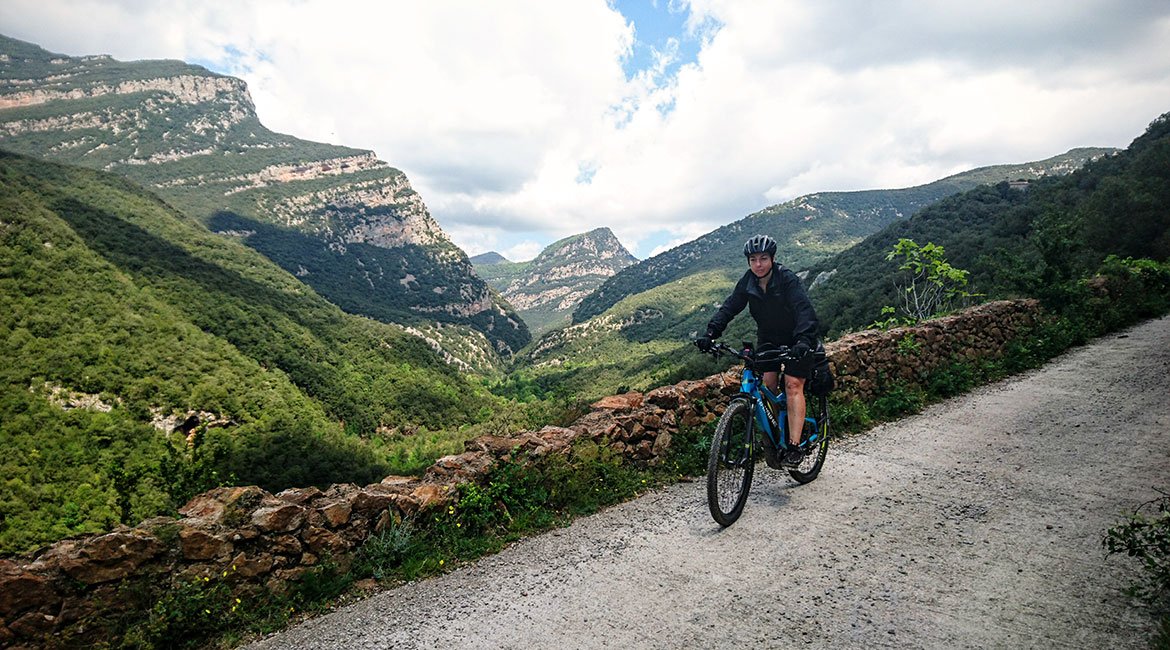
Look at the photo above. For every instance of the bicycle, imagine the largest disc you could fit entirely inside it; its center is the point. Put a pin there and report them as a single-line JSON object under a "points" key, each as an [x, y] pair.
{"points": [[746, 427]]}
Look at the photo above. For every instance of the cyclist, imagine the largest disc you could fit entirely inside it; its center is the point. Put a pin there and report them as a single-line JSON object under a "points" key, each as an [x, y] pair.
{"points": [[784, 316]]}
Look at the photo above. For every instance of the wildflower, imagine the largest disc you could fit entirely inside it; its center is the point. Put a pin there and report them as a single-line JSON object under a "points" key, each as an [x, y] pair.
{"points": [[237, 601], [441, 562], [225, 574]]}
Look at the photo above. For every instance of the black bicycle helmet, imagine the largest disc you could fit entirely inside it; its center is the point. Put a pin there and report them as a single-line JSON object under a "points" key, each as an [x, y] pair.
{"points": [[760, 244]]}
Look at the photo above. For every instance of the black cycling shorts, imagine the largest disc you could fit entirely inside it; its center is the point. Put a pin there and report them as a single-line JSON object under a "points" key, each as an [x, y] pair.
{"points": [[801, 369]]}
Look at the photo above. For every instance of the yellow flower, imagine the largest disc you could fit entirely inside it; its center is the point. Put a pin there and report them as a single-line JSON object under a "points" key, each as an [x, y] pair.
{"points": [[441, 562], [237, 601], [225, 574]]}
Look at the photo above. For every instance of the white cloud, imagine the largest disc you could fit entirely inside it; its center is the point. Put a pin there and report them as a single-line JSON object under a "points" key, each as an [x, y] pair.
{"points": [[494, 110], [524, 251]]}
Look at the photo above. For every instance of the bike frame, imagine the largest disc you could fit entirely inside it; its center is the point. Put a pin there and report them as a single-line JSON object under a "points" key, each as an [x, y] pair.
{"points": [[752, 387], [731, 459]]}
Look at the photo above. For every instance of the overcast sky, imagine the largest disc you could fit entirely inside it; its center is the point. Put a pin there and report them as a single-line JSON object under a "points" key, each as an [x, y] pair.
{"points": [[523, 121]]}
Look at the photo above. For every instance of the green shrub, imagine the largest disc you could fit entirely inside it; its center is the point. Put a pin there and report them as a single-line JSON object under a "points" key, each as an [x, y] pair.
{"points": [[689, 450], [321, 583], [898, 399], [952, 379], [384, 551], [1145, 536], [848, 417]]}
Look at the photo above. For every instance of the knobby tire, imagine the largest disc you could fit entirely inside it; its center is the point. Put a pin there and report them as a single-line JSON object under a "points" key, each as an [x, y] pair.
{"points": [[731, 462]]}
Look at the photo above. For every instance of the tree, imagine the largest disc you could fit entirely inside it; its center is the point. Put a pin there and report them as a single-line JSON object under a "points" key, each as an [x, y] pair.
{"points": [[931, 285]]}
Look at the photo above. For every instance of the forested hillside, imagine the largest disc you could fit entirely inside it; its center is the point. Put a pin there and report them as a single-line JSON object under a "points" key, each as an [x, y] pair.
{"points": [[810, 228], [342, 221], [146, 359], [1029, 241]]}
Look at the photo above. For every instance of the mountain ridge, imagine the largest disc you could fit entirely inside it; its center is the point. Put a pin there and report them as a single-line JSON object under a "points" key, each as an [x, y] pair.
{"points": [[811, 226], [193, 137]]}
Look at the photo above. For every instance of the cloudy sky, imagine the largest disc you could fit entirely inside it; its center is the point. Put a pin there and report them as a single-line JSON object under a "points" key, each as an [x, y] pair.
{"points": [[523, 121]]}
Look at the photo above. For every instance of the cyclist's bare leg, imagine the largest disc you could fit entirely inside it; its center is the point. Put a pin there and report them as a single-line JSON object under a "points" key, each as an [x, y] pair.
{"points": [[794, 388], [772, 381]]}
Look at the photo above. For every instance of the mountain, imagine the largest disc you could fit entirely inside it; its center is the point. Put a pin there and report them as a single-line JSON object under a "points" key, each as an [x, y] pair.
{"points": [[342, 221], [147, 359], [1017, 240], [810, 227], [548, 288], [487, 259]]}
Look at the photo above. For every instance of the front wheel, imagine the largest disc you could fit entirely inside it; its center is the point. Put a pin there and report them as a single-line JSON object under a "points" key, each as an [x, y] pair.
{"points": [[731, 462], [810, 467]]}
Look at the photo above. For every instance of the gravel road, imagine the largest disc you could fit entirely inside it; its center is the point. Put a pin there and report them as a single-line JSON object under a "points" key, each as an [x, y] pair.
{"points": [[976, 524]]}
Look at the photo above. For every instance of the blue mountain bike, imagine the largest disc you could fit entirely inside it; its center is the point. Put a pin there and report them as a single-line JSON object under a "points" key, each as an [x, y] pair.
{"points": [[748, 428]]}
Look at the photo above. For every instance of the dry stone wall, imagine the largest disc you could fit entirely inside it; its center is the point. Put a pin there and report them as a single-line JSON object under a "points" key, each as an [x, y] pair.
{"points": [[260, 541]]}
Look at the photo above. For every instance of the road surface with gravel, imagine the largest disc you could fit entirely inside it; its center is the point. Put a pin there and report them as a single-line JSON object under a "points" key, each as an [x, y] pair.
{"points": [[975, 524]]}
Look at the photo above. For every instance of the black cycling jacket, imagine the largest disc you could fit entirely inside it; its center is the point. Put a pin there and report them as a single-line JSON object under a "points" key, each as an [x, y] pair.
{"points": [[783, 313]]}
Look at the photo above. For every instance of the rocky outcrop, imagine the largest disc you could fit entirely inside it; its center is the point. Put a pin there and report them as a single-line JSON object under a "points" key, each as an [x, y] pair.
{"points": [[568, 270], [258, 540], [187, 89], [547, 289]]}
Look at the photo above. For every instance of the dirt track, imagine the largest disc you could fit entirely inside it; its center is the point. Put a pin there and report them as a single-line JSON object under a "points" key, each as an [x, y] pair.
{"points": [[977, 523]]}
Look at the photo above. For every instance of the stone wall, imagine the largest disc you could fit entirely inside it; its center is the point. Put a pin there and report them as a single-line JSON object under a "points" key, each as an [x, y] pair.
{"points": [[261, 541], [866, 362]]}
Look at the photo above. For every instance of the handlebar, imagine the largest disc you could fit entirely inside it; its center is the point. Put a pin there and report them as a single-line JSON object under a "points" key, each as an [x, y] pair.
{"points": [[750, 356]]}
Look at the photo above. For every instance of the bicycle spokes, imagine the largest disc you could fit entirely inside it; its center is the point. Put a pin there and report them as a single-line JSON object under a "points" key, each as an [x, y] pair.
{"points": [[731, 463]]}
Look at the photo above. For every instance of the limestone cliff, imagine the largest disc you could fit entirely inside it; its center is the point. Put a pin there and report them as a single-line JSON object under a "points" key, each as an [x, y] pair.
{"points": [[343, 221]]}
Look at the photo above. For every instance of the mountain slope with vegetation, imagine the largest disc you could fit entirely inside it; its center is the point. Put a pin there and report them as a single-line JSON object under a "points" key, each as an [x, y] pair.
{"points": [[811, 227], [547, 289], [640, 340], [1017, 241], [147, 359], [342, 221]]}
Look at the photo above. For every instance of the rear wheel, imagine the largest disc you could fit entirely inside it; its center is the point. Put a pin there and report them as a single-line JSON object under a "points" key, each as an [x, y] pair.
{"points": [[818, 449], [731, 462]]}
